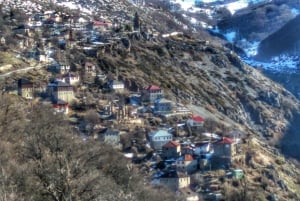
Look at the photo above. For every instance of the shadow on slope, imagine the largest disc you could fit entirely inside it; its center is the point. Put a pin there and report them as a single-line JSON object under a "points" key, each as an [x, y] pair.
{"points": [[290, 143]]}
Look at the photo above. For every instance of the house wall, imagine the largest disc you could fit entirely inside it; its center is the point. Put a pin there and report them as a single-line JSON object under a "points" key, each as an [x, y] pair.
{"points": [[172, 152], [26, 92], [164, 107], [65, 95], [157, 145], [222, 150], [171, 183], [222, 155], [112, 139], [152, 95], [157, 142], [193, 123], [72, 80], [184, 182], [186, 166]]}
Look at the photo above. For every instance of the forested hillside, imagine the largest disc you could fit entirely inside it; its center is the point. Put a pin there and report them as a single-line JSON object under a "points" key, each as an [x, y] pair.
{"points": [[43, 159]]}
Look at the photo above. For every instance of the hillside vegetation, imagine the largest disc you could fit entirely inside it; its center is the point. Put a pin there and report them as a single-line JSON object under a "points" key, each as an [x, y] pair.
{"points": [[43, 159]]}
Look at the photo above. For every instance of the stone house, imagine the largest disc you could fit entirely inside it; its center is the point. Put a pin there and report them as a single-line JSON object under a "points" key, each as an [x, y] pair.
{"points": [[25, 88], [109, 136], [152, 93], [116, 85], [171, 150], [70, 78], [186, 163], [223, 151], [195, 121], [59, 68], [89, 70], [175, 180], [162, 106], [160, 138], [58, 90]]}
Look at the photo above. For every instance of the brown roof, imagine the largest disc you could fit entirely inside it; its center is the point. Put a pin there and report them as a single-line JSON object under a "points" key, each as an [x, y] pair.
{"points": [[225, 140], [171, 144]]}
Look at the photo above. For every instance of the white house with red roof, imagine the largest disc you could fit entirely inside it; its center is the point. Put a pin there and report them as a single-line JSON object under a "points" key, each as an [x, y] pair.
{"points": [[195, 121], [152, 93], [171, 150], [102, 24]]}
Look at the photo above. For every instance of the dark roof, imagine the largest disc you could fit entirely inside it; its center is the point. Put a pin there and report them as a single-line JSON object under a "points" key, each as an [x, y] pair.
{"points": [[108, 131], [59, 102], [173, 174], [23, 81], [62, 84]]}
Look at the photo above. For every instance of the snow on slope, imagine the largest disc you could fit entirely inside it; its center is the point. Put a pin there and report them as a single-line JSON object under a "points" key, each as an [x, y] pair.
{"points": [[231, 6]]}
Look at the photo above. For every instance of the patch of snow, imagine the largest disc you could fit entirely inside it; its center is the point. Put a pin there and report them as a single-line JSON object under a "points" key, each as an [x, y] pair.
{"points": [[185, 4], [279, 63], [237, 5], [193, 20], [212, 135], [128, 155], [230, 36], [74, 6], [250, 48], [295, 11]]}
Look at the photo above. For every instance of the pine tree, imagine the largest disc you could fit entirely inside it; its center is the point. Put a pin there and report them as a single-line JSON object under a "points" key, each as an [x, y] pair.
{"points": [[136, 22]]}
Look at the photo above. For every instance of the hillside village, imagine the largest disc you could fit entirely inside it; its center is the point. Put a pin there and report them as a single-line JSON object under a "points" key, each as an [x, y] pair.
{"points": [[174, 146]]}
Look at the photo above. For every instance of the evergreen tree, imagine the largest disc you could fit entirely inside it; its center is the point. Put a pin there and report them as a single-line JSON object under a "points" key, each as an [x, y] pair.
{"points": [[136, 22]]}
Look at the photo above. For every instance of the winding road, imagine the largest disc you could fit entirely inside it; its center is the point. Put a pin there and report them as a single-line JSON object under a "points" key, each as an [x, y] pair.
{"points": [[3, 75]]}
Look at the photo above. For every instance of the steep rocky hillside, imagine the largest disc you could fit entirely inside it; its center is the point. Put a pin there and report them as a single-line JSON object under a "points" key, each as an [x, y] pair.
{"points": [[194, 69], [214, 83], [207, 77]]}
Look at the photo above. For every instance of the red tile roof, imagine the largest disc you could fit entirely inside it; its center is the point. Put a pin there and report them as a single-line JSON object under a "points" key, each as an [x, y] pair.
{"points": [[153, 87], [225, 140], [101, 23], [171, 144], [198, 118]]}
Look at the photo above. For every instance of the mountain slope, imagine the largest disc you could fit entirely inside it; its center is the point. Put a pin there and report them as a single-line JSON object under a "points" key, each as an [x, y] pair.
{"points": [[284, 41], [192, 69]]}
